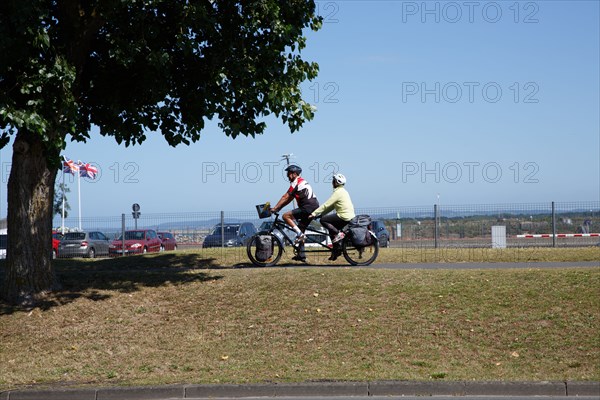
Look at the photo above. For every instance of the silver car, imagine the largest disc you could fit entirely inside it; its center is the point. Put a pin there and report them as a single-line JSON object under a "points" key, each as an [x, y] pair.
{"points": [[83, 244]]}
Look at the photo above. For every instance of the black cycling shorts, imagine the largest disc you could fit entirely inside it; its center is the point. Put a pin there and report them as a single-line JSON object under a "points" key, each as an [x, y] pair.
{"points": [[301, 215]]}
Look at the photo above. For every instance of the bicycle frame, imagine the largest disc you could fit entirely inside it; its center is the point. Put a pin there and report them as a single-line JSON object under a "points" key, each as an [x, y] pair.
{"points": [[280, 226]]}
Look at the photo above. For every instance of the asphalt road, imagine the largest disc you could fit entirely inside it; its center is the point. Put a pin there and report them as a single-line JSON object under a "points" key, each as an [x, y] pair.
{"points": [[409, 398]]}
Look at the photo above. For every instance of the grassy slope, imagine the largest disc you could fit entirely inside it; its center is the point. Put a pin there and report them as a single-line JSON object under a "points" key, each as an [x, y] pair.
{"points": [[136, 321]]}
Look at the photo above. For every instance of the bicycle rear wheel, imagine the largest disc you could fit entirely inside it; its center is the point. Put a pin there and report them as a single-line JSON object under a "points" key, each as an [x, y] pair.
{"points": [[252, 247], [359, 255]]}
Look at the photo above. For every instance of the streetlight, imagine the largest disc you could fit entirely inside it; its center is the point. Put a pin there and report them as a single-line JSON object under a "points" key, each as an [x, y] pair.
{"points": [[287, 157]]}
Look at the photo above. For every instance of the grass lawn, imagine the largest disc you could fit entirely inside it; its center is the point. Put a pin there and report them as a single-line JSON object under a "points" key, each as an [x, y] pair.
{"points": [[160, 319], [237, 257]]}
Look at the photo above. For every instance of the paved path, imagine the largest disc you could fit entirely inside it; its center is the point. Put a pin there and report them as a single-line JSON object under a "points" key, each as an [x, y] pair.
{"points": [[463, 265], [496, 265]]}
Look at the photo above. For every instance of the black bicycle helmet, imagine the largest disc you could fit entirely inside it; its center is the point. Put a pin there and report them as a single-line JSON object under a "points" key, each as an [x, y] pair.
{"points": [[294, 168]]}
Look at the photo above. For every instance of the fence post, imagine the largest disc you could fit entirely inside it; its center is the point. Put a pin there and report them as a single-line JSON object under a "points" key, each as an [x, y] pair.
{"points": [[553, 225], [123, 235], [435, 225], [222, 229]]}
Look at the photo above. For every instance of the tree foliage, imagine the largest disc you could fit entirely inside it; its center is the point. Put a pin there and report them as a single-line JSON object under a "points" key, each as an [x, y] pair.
{"points": [[130, 66], [60, 195]]}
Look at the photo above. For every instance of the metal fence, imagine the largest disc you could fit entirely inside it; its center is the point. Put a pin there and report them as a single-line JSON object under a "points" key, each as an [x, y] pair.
{"points": [[526, 225]]}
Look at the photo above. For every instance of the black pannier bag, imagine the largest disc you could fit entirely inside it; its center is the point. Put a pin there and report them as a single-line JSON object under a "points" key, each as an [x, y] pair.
{"points": [[359, 231], [264, 248]]}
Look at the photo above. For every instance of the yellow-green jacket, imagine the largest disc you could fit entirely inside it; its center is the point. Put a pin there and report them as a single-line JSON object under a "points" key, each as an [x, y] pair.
{"points": [[340, 201]]}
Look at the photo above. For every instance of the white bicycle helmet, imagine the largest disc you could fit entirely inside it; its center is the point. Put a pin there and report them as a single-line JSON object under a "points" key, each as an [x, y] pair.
{"points": [[339, 179]]}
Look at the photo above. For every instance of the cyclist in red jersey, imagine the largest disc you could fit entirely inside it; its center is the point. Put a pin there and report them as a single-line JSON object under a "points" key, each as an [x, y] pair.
{"points": [[307, 203]]}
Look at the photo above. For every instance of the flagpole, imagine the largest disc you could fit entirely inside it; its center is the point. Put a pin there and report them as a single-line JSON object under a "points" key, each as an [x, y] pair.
{"points": [[79, 194], [63, 203]]}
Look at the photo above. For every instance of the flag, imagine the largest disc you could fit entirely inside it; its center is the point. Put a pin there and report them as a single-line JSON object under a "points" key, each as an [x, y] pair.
{"points": [[69, 166], [86, 170]]}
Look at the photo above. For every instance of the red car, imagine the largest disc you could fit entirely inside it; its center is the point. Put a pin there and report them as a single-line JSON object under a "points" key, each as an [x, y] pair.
{"points": [[136, 242], [56, 238], [168, 240]]}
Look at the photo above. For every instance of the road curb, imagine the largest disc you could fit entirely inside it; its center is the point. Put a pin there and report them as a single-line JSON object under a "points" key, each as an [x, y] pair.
{"points": [[414, 388], [307, 389], [140, 393], [583, 389], [279, 390], [515, 389], [346, 389]]}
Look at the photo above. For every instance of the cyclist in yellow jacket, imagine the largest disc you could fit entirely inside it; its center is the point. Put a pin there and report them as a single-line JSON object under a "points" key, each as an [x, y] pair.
{"points": [[344, 211]]}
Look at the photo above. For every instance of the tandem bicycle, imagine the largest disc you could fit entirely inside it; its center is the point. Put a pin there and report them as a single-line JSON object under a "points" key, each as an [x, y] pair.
{"points": [[355, 255]]}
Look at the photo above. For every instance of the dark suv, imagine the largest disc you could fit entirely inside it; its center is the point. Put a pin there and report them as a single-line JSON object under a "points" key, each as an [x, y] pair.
{"points": [[383, 235], [235, 235]]}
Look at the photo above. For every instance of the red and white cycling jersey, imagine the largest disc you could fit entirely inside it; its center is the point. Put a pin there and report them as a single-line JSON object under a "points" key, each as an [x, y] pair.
{"points": [[303, 193]]}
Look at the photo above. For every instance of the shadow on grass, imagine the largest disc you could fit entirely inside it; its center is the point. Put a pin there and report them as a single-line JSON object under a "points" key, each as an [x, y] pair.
{"points": [[294, 264], [95, 279]]}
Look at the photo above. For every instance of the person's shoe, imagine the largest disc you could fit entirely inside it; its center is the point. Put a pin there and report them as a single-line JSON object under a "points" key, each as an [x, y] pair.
{"points": [[338, 237], [335, 254], [299, 258], [300, 238]]}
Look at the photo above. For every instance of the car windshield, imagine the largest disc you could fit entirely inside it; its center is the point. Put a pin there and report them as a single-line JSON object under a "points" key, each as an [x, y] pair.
{"points": [[133, 235], [228, 229], [75, 236], [266, 225]]}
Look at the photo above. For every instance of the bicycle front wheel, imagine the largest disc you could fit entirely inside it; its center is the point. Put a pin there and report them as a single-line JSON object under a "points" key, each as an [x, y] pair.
{"points": [[363, 255], [261, 260]]}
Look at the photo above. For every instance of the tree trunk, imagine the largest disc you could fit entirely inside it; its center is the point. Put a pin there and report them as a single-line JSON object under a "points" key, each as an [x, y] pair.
{"points": [[29, 274]]}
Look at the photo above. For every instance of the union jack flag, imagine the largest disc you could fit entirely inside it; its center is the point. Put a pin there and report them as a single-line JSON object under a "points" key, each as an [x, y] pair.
{"points": [[69, 166], [86, 170]]}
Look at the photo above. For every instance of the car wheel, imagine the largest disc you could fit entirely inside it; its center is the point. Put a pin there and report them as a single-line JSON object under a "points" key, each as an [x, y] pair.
{"points": [[92, 253], [385, 242]]}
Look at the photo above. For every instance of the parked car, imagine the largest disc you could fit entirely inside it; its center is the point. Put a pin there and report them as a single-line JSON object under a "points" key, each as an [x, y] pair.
{"points": [[383, 235], [235, 235], [136, 242], [168, 241], [313, 239], [56, 238], [83, 244]]}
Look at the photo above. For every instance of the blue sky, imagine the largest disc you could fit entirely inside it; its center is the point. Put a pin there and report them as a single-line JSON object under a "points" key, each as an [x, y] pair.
{"points": [[477, 102]]}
